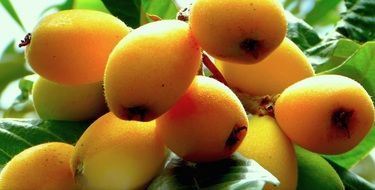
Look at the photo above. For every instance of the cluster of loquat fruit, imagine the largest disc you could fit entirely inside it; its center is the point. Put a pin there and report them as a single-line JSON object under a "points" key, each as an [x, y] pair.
{"points": [[158, 102]]}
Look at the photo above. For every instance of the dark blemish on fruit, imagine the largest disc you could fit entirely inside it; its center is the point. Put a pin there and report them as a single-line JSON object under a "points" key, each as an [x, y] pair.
{"points": [[251, 46], [137, 113], [234, 136], [26, 41], [162, 85], [341, 119]]}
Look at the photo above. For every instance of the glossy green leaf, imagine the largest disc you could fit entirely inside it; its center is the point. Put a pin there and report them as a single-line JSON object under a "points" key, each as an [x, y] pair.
{"points": [[358, 21], [90, 4], [331, 54], [10, 9], [128, 11], [134, 12], [65, 5], [360, 67], [234, 173], [322, 9], [165, 9], [19, 134], [351, 180], [302, 34]]}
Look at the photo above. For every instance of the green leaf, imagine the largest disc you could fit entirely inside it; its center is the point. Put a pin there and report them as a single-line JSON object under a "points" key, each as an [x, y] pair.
{"points": [[67, 4], [351, 180], [322, 10], [360, 67], [302, 34], [165, 9], [331, 54], [90, 4], [352, 157], [9, 8], [19, 134], [234, 173], [128, 11], [134, 12], [358, 21], [12, 66]]}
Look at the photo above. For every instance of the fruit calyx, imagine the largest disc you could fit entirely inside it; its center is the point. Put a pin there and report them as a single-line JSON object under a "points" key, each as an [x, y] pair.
{"points": [[136, 112], [251, 46], [26, 40], [341, 118], [78, 174], [235, 136]]}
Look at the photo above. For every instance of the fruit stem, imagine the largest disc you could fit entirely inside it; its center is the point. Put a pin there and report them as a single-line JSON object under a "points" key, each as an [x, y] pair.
{"points": [[258, 105], [213, 69], [26, 41]]}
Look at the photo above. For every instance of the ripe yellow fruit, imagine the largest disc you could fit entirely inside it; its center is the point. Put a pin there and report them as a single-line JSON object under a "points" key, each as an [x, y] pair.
{"points": [[117, 154], [53, 101], [208, 123], [328, 114], [150, 69], [246, 34], [72, 46], [284, 66], [42, 167], [266, 143]]}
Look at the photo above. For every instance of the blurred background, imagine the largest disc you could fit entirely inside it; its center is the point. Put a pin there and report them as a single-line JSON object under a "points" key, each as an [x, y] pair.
{"points": [[320, 14]]}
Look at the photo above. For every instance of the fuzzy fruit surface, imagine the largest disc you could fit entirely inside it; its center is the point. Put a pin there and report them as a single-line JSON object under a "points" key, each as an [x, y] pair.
{"points": [[150, 69], [314, 172], [72, 46], [267, 144], [284, 66], [117, 154], [53, 101], [246, 34], [208, 123], [328, 114], [43, 167]]}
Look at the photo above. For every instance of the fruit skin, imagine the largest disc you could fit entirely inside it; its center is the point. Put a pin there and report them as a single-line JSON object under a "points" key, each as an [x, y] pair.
{"points": [[72, 46], [127, 155], [247, 34], [53, 101], [284, 66], [328, 114], [208, 123], [267, 144], [316, 173], [43, 167], [141, 82]]}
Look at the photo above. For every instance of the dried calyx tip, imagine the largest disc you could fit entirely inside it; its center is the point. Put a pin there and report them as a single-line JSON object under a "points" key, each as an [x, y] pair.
{"points": [[137, 112], [26, 41], [341, 119], [233, 137], [251, 46]]}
